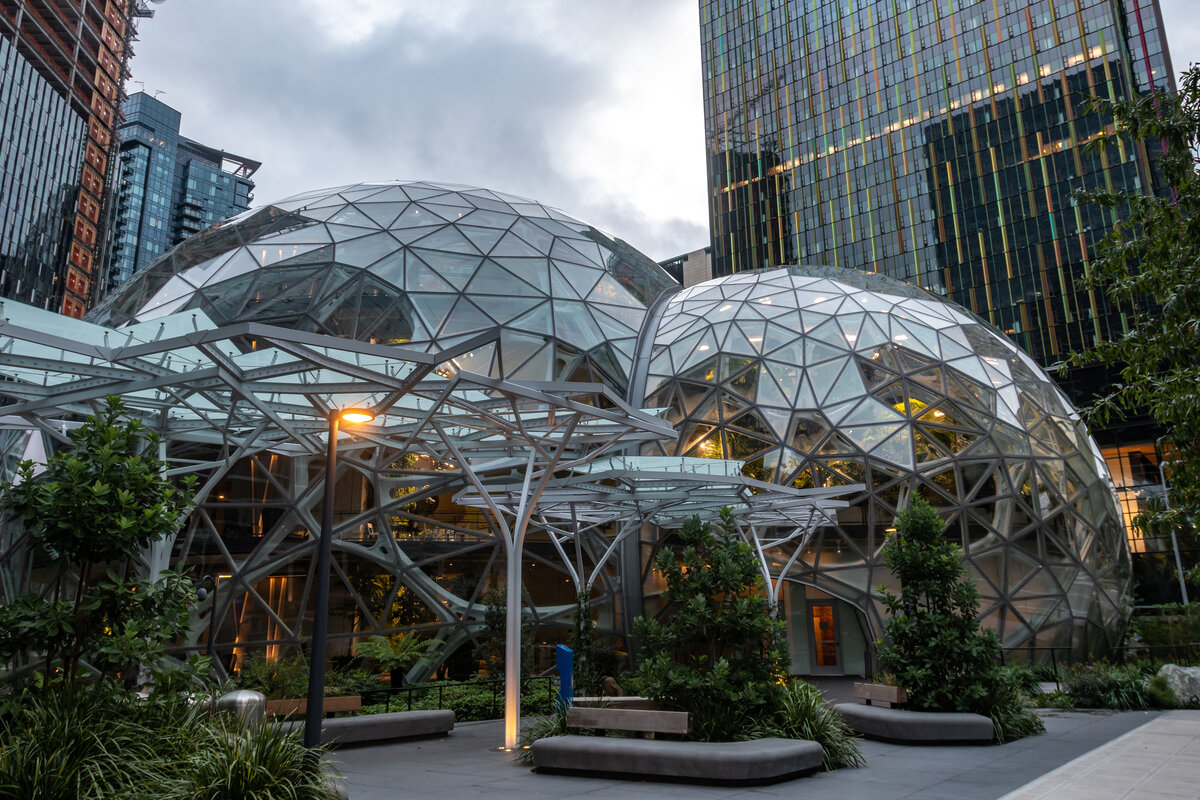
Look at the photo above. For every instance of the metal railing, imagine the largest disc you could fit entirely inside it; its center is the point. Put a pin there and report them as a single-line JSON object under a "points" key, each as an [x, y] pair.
{"points": [[496, 686]]}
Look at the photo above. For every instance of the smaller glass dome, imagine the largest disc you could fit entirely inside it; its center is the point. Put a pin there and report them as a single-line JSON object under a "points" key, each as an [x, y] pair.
{"points": [[824, 377]]}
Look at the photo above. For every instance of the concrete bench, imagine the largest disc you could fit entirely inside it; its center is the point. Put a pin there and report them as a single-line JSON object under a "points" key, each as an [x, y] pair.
{"points": [[756, 761], [916, 727], [630, 719], [371, 728]]}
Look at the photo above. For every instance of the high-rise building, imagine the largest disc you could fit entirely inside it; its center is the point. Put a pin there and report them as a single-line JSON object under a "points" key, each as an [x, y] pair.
{"points": [[170, 187], [691, 268], [939, 142], [936, 142], [63, 65]]}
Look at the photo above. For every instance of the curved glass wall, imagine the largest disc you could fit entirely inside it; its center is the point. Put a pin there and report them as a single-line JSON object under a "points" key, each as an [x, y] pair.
{"points": [[827, 377]]}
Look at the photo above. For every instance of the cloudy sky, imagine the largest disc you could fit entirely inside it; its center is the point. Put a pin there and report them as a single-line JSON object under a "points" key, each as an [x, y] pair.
{"points": [[592, 106]]}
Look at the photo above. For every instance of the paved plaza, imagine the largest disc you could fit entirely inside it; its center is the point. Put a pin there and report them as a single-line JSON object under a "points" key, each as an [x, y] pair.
{"points": [[1097, 755]]}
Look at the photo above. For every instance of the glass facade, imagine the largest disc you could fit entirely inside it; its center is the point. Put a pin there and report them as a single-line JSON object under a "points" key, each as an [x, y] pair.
{"points": [[171, 187], [935, 142], [824, 377], [41, 150], [815, 377], [79, 49]]}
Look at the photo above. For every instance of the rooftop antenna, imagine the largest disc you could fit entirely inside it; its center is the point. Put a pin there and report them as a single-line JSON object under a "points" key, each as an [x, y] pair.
{"points": [[157, 92], [141, 84]]}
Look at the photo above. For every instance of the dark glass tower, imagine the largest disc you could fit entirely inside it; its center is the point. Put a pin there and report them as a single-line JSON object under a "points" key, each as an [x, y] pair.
{"points": [[936, 142], [62, 66], [170, 187]]}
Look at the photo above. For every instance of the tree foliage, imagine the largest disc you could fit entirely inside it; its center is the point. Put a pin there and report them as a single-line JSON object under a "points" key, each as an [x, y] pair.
{"points": [[92, 510], [719, 655], [936, 649], [1153, 254]]}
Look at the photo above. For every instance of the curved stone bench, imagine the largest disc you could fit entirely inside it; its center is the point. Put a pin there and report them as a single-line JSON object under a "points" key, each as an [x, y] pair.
{"points": [[371, 728], [756, 761], [916, 727]]}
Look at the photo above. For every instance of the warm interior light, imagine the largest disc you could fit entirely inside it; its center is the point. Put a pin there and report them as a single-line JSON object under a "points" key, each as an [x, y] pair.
{"points": [[357, 415]]}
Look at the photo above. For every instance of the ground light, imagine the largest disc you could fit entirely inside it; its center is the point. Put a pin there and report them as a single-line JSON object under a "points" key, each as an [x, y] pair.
{"points": [[316, 672]]}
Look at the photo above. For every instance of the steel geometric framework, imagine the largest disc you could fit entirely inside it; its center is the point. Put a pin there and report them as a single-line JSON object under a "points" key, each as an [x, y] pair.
{"points": [[819, 377]]}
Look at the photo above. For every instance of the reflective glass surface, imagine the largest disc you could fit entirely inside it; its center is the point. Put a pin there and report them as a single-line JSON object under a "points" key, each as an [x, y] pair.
{"points": [[820, 377]]}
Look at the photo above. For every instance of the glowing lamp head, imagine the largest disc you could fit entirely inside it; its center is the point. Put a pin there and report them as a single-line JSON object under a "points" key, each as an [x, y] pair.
{"points": [[356, 415]]}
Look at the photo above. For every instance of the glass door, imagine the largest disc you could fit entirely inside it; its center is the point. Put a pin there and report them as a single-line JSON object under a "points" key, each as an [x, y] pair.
{"points": [[825, 649]]}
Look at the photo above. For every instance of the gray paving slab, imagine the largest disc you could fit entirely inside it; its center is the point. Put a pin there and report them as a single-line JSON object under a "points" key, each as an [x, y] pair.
{"points": [[469, 763]]}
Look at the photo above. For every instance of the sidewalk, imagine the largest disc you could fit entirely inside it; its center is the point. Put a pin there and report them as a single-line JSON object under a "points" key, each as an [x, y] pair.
{"points": [[1160, 760], [468, 763]]}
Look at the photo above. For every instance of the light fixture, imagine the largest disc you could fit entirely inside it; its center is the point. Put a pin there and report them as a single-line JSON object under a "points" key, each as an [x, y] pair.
{"points": [[356, 415]]}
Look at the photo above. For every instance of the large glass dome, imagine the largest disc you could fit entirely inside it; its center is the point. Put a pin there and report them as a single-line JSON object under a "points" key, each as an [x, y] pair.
{"points": [[825, 377], [421, 263]]}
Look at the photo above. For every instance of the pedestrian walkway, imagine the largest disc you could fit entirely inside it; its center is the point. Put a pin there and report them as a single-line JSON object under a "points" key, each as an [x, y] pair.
{"points": [[1159, 760], [469, 763]]}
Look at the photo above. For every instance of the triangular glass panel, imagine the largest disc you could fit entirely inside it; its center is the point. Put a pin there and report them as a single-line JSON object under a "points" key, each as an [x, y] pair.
{"points": [[365, 250], [451, 239], [455, 268], [420, 277], [415, 217], [382, 213], [433, 308], [349, 215]]}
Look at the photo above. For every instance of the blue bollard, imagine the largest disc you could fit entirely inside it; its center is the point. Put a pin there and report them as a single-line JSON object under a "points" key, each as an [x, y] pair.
{"points": [[565, 662]]}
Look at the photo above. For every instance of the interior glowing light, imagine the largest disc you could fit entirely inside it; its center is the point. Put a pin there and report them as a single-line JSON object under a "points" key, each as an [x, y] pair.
{"points": [[900, 337], [725, 307], [357, 415]]}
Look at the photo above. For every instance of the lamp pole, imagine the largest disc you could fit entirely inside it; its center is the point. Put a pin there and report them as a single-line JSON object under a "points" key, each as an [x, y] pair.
{"points": [[316, 664], [320, 629]]}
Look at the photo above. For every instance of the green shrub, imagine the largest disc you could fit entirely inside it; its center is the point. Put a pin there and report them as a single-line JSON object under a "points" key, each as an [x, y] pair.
{"points": [[802, 713], [1026, 678], [94, 742], [278, 679], [1010, 706], [1055, 699], [1106, 686], [936, 649], [1159, 692], [1174, 624], [719, 655], [263, 763]]}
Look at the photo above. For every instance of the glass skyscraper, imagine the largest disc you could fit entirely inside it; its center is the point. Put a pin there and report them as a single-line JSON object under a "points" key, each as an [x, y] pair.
{"points": [[171, 187], [936, 141], [62, 65], [939, 142]]}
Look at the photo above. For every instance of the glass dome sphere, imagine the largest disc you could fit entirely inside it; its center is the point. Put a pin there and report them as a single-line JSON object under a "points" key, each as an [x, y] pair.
{"points": [[822, 377], [416, 263]]}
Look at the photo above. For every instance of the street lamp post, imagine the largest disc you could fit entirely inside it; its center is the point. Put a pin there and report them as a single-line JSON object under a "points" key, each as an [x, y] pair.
{"points": [[316, 668]]}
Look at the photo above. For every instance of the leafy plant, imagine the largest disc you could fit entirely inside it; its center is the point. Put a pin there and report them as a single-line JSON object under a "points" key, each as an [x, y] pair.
{"points": [[595, 658], [278, 679], [543, 727], [1106, 686], [936, 649], [385, 654], [1153, 253], [718, 655], [92, 510], [802, 713], [261, 763]]}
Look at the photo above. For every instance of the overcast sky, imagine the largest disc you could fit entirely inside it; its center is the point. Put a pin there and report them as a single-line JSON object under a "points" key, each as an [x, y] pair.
{"points": [[592, 106]]}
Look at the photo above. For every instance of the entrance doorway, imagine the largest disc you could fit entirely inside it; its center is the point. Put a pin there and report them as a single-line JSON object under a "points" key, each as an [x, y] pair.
{"points": [[824, 642]]}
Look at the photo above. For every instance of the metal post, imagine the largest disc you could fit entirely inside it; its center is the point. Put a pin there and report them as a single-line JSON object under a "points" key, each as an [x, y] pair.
{"points": [[512, 649], [316, 664], [1162, 477]]}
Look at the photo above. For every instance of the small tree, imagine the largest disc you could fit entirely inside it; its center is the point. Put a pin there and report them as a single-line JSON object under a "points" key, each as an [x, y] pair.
{"points": [[936, 649], [719, 655], [92, 510], [595, 657]]}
